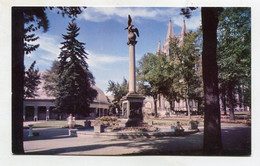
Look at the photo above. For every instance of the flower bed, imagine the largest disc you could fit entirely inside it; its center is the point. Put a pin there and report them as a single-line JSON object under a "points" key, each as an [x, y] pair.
{"points": [[106, 121], [140, 129]]}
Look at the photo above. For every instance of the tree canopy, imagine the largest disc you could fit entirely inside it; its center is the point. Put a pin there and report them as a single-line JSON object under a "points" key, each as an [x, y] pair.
{"points": [[51, 78], [185, 58], [151, 76], [175, 76], [234, 55], [118, 90]]}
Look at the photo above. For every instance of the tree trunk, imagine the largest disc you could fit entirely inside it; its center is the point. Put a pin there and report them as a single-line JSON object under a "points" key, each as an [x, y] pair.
{"points": [[172, 106], [17, 79], [224, 103], [159, 99], [231, 102], [212, 129], [155, 107], [241, 98], [198, 106], [188, 107]]}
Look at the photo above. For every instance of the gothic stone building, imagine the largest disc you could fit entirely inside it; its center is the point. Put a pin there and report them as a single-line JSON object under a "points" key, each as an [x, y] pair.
{"points": [[163, 105]]}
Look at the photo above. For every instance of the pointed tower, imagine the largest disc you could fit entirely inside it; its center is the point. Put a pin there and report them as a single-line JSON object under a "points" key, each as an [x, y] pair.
{"points": [[170, 33], [169, 36], [183, 32], [159, 50]]}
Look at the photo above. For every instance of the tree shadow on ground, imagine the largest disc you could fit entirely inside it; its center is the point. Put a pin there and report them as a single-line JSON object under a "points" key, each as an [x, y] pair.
{"points": [[139, 143], [45, 134], [236, 142], [154, 135]]}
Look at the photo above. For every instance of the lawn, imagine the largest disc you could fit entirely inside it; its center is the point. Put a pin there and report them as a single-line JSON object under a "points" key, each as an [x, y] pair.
{"points": [[240, 119]]}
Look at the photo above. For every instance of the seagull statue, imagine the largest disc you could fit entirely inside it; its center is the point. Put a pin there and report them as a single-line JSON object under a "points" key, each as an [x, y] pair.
{"points": [[131, 31]]}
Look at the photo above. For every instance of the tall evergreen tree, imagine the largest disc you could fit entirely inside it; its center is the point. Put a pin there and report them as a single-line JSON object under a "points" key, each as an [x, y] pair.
{"points": [[74, 91], [31, 81]]}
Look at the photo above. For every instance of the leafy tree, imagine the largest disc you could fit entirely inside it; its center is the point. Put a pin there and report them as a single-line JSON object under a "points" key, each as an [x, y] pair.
{"points": [[118, 90], [198, 91], [234, 55], [51, 78], [21, 17], [31, 81], [168, 88], [74, 91], [151, 75], [185, 59]]}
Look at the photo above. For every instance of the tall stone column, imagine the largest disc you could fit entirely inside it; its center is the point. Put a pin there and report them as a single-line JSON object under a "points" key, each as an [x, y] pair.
{"points": [[132, 102], [132, 77]]}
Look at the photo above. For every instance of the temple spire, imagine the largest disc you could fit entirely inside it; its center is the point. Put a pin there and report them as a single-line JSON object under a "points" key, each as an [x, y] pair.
{"points": [[169, 36], [183, 32], [183, 28], [159, 49], [170, 33]]}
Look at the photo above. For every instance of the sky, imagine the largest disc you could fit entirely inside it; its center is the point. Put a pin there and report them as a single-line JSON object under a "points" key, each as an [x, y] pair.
{"points": [[102, 31]]}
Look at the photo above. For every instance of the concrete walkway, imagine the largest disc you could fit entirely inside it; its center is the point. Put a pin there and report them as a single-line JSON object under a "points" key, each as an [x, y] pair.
{"points": [[236, 141]]}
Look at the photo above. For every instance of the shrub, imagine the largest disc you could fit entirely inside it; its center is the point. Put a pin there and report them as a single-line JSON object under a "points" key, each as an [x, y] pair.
{"points": [[248, 122], [194, 124], [106, 120], [143, 129]]}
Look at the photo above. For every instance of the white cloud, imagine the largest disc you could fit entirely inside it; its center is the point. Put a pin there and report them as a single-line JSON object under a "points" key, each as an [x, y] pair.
{"points": [[49, 44], [192, 23], [100, 60], [161, 14], [47, 52], [50, 48]]}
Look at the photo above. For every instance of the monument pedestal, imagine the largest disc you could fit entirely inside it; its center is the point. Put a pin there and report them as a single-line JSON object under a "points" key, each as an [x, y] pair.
{"points": [[132, 109], [132, 103]]}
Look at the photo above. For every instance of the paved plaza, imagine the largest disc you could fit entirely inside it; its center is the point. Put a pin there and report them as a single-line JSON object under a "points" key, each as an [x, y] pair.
{"points": [[236, 141]]}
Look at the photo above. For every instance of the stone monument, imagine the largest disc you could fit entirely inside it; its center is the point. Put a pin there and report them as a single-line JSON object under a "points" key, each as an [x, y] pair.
{"points": [[132, 103]]}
